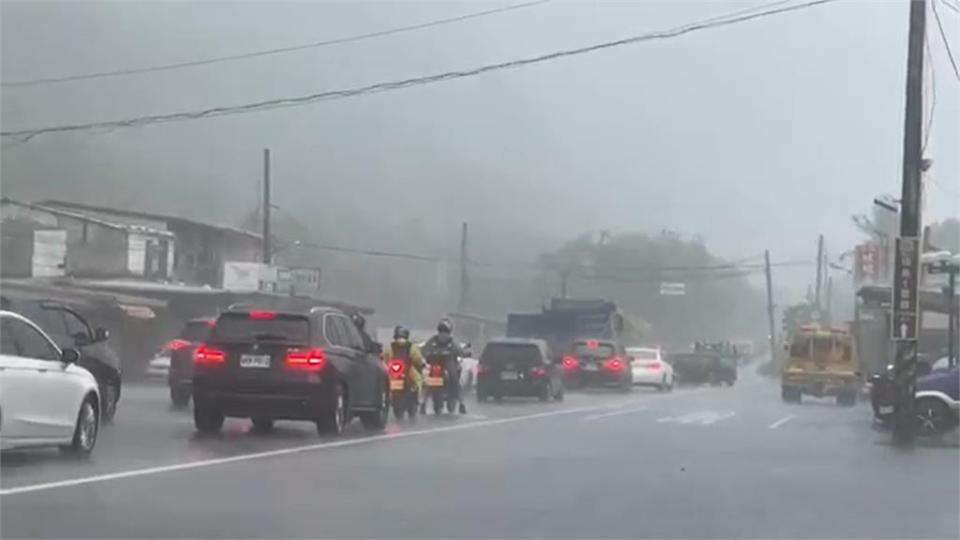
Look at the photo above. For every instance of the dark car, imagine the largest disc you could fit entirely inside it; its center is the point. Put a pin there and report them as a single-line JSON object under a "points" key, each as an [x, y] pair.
{"points": [[180, 351], [937, 395], [703, 367], [268, 365], [592, 362], [69, 330], [518, 367]]}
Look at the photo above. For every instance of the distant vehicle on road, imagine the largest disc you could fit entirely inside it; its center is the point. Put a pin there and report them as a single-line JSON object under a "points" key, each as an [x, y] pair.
{"points": [[518, 367], [592, 362], [821, 362], [268, 365], [567, 320], [703, 367], [938, 396], [70, 330], [649, 368], [175, 362], [45, 397]]}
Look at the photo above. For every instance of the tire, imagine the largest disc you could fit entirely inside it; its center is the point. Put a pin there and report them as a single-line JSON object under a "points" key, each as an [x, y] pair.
{"points": [[179, 396], [933, 416], [334, 417], [399, 406], [847, 399], [558, 396], [86, 430], [206, 419], [109, 398], [544, 393], [262, 424], [626, 385], [790, 394], [377, 420], [437, 404]]}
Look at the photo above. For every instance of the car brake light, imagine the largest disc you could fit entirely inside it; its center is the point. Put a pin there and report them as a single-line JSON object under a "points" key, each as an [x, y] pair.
{"points": [[308, 359], [652, 365], [614, 364], [538, 372], [570, 363], [396, 368], [263, 315], [177, 345], [207, 356]]}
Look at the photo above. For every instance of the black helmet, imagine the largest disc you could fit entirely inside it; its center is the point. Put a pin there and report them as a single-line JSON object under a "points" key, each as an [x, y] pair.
{"points": [[445, 326], [358, 320], [401, 332]]}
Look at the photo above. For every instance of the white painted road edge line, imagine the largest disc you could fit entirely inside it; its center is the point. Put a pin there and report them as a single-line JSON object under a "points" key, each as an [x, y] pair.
{"points": [[614, 413], [281, 452], [782, 421]]}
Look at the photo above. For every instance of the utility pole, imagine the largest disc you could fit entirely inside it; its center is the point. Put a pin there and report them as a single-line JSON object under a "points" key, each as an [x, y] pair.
{"points": [[817, 297], [564, 274], [770, 307], [906, 274], [464, 278], [828, 301], [952, 319], [267, 256]]}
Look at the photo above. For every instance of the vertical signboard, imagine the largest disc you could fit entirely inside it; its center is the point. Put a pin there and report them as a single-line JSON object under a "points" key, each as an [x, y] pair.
{"points": [[906, 276]]}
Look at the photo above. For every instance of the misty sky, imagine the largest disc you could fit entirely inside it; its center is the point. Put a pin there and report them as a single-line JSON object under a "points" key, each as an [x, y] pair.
{"points": [[758, 135]]}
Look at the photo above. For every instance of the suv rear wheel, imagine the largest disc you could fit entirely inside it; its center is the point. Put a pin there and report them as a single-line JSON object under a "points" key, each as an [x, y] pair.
{"points": [[262, 424], [180, 395], [206, 418], [333, 417], [933, 416], [377, 420]]}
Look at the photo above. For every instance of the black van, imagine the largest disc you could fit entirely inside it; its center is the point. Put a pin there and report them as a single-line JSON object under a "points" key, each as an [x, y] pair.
{"points": [[703, 367], [518, 367]]}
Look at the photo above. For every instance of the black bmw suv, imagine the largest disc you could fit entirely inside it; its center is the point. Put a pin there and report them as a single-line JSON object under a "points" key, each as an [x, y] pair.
{"points": [[269, 365]]}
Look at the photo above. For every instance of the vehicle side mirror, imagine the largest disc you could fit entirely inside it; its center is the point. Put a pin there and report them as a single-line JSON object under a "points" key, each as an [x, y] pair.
{"points": [[101, 334], [70, 356]]}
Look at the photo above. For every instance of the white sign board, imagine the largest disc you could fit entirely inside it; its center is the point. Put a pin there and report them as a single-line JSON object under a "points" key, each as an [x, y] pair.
{"points": [[244, 276], [49, 253], [668, 288]]}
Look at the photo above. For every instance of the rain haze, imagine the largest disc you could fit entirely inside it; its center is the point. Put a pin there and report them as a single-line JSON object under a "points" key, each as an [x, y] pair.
{"points": [[550, 268]]}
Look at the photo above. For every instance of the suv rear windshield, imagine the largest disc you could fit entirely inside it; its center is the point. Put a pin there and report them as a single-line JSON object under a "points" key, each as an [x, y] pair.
{"points": [[241, 327], [643, 354], [196, 331], [510, 352], [600, 350]]}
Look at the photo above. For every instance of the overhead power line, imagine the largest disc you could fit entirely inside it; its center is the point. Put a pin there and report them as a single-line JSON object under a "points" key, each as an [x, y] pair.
{"points": [[950, 4], [298, 101], [266, 52], [946, 42]]}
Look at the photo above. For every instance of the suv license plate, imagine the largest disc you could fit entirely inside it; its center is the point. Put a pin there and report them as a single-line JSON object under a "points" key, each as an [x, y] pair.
{"points": [[590, 367], [434, 381], [255, 361], [508, 375]]}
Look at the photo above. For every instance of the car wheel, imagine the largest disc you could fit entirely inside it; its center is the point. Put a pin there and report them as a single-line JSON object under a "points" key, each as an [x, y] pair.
{"points": [[333, 419], [789, 394], [206, 419], [377, 420], [545, 392], [262, 424], [179, 396], [933, 416], [558, 396], [86, 430], [399, 408], [110, 395]]}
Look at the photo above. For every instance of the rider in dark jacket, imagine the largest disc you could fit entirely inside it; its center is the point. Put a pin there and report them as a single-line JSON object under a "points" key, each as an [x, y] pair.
{"points": [[442, 344]]}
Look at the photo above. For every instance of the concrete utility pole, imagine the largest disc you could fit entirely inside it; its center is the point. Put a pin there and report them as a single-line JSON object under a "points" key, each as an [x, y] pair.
{"points": [[464, 278], [905, 320], [817, 297], [267, 256], [828, 301], [770, 307]]}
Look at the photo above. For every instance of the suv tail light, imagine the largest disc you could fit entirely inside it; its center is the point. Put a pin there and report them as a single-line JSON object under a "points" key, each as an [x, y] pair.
{"points": [[306, 359], [263, 315], [570, 363], [538, 371], [397, 369], [208, 356], [177, 345], [614, 364]]}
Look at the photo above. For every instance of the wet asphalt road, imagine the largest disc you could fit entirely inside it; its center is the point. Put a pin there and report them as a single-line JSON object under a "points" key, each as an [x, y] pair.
{"points": [[695, 463]]}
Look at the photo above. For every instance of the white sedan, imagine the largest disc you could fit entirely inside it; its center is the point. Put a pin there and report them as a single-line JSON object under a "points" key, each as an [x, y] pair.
{"points": [[648, 368], [45, 397]]}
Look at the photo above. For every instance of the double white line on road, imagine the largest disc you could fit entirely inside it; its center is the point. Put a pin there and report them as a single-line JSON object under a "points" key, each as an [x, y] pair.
{"points": [[285, 451]]}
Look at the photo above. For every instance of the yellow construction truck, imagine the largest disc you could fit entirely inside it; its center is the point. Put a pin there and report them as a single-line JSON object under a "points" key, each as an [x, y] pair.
{"points": [[821, 361]]}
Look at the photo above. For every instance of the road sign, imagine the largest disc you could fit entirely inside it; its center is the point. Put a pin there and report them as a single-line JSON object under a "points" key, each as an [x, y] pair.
{"points": [[668, 288], [942, 267], [906, 280]]}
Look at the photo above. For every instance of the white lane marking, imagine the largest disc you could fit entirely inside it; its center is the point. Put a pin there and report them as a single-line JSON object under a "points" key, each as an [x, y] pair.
{"points": [[714, 417], [782, 421], [614, 413], [281, 452], [704, 418], [475, 416]]}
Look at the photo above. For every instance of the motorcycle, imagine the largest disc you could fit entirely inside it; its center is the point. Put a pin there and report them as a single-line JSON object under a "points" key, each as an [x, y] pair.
{"points": [[404, 396], [442, 385]]}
